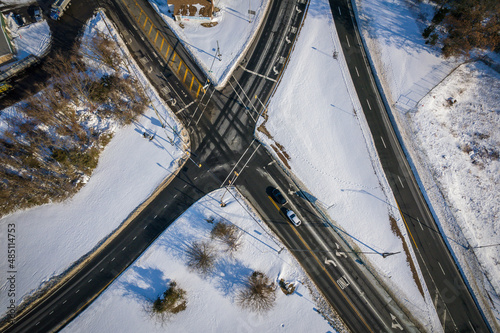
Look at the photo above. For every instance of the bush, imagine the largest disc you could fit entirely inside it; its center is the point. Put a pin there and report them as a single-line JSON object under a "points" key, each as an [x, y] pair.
{"points": [[201, 257], [259, 294], [85, 161], [286, 288], [227, 233], [172, 301], [60, 155], [428, 31]]}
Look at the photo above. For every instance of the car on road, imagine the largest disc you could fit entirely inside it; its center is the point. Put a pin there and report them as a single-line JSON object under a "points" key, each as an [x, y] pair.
{"points": [[293, 218], [278, 197]]}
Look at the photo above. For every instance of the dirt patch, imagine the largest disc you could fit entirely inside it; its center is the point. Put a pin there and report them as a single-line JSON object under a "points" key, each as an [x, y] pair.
{"points": [[209, 24], [262, 128], [397, 232], [282, 154]]}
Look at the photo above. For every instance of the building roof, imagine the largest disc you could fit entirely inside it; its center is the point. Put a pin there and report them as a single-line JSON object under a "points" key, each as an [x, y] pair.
{"points": [[193, 7]]}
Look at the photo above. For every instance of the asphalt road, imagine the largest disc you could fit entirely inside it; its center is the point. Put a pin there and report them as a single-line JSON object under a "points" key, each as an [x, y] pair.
{"points": [[456, 308]]}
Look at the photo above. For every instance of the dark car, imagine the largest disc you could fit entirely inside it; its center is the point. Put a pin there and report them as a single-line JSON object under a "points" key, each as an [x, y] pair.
{"points": [[278, 197], [37, 14], [19, 20]]}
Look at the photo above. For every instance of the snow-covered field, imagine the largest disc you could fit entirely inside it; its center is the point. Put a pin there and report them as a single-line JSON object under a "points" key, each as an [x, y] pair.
{"points": [[234, 31], [211, 303], [454, 148], [50, 238], [460, 147]]}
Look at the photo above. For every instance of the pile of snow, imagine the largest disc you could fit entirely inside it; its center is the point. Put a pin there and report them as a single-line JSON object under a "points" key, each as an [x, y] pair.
{"points": [[234, 32], [211, 303], [50, 238], [338, 164], [451, 152]]}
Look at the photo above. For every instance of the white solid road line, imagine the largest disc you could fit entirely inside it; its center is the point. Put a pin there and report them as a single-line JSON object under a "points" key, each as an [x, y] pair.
{"points": [[472, 327], [442, 270], [401, 182], [383, 142]]}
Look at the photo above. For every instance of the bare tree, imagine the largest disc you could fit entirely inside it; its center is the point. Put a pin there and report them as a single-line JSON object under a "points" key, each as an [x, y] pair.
{"points": [[259, 293], [227, 233], [201, 257]]}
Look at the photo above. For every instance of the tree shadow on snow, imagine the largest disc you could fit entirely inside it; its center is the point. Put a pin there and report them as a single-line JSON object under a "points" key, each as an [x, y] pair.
{"points": [[230, 274], [147, 283]]}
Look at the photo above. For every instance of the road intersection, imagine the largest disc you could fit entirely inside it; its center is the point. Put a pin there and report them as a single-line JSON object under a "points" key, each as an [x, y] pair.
{"points": [[221, 126]]}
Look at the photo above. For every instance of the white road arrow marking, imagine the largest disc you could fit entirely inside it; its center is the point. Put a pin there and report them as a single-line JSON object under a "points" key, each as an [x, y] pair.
{"points": [[338, 254], [330, 262], [395, 323]]}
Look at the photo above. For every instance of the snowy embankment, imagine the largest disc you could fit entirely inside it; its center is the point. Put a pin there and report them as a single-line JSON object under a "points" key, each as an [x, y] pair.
{"points": [[233, 33], [50, 238], [454, 148], [316, 127], [212, 300]]}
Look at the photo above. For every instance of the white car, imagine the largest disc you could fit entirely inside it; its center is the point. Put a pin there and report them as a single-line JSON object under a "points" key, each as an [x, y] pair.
{"points": [[293, 218]]}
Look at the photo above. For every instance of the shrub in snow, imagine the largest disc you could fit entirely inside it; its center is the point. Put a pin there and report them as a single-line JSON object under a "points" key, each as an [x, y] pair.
{"points": [[171, 302], [201, 257], [259, 293], [286, 288]]}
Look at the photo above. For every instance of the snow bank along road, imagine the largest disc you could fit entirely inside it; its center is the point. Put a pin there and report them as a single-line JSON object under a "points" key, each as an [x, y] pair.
{"points": [[221, 126], [453, 301]]}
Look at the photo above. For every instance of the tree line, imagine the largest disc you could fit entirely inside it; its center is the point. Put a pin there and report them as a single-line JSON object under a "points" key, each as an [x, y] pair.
{"points": [[463, 26], [49, 145]]}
